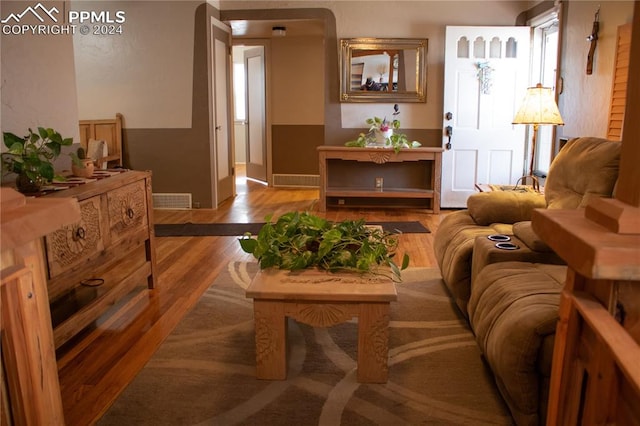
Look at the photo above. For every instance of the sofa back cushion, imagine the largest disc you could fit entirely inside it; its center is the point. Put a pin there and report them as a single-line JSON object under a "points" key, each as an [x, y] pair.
{"points": [[584, 168]]}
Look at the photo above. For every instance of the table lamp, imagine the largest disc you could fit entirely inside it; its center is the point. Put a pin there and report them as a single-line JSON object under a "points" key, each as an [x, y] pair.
{"points": [[538, 107]]}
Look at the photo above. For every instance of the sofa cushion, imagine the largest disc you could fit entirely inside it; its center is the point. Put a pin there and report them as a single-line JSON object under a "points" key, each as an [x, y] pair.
{"points": [[453, 248], [513, 310], [584, 168], [503, 206]]}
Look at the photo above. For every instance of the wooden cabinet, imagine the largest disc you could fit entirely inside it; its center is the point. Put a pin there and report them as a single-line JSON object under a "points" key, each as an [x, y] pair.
{"points": [[93, 263], [375, 177]]}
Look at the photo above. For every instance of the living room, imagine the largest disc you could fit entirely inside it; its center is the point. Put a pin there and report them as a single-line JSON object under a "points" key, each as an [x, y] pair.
{"points": [[166, 130]]}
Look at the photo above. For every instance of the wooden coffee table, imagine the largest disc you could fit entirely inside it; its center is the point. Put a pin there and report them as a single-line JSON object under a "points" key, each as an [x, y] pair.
{"points": [[321, 299]]}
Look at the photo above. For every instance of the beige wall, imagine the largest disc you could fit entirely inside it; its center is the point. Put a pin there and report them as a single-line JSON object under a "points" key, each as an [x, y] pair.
{"points": [[297, 83], [38, 82], [419, 19], [146, 73], [584, 102], [405, 19], [159, 82]]}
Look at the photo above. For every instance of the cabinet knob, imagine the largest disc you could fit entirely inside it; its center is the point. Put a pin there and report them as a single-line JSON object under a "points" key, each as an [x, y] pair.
{"points": [[80, 233], [130, 213]]}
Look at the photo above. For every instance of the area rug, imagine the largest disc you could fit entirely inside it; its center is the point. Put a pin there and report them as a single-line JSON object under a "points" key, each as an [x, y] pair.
{"points": [[235, 229], [204, 372]]}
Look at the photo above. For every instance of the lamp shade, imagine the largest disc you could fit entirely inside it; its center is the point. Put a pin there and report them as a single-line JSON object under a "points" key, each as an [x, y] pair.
{"points": [[538, 107]]}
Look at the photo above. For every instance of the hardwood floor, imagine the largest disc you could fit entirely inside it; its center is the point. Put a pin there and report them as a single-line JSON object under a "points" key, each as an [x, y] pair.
{"points": [[96, 366]]}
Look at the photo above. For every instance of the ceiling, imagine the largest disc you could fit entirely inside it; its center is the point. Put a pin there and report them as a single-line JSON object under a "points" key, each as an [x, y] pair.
{"points": [[262, 29]]}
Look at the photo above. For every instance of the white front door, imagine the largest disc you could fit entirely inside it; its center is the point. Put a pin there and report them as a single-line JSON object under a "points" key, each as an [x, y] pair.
{"points": [[486, 76]]}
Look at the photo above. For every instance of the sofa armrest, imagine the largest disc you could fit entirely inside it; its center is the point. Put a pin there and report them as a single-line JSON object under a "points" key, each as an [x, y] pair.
{"points": [[524, 231], [503, 206]]}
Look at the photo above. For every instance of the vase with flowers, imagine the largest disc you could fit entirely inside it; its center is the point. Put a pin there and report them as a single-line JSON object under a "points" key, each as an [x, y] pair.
{"points": [[383, 133]]}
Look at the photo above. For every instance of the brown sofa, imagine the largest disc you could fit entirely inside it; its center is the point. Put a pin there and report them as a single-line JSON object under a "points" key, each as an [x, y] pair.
{"points": [[513, 311], [585, 167], [511, 298]]}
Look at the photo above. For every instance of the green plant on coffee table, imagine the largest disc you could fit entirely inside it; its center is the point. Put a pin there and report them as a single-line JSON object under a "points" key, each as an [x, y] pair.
{"points": [[299, 240], [34, 153]]}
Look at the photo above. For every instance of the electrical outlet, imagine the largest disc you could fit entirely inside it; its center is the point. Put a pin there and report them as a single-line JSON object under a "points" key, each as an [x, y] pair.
{"points": [[379, 182]]}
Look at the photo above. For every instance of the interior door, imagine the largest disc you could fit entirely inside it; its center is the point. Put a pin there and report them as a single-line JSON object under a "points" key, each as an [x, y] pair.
{"points": [[221, 120], [256, 113], [486, 76]]}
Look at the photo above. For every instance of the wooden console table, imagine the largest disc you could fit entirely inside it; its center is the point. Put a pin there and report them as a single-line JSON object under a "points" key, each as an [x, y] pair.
{"points": [[378, 177], [95, 262]]}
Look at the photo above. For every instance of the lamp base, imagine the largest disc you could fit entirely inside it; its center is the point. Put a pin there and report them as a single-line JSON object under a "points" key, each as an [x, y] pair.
{"points": [[535, 184]]}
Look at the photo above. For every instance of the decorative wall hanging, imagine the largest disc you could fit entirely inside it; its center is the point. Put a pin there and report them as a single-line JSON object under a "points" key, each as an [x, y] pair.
{"points": [[485, 77], [593, 39]]}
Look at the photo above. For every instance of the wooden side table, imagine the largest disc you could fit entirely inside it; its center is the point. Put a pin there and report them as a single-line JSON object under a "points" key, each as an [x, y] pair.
{"points": [[321, 299]]}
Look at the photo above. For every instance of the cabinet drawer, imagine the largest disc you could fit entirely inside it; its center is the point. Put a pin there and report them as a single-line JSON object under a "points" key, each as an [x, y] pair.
{"points": [[73, 244], [127, 208]]}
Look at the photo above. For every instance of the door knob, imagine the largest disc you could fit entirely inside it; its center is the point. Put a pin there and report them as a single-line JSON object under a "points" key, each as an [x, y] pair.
{"points": [[448, 131]]}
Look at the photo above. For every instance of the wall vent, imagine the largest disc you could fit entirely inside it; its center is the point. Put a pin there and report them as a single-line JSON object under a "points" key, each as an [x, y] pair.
{"points": [[176, 201], [300, 181]]}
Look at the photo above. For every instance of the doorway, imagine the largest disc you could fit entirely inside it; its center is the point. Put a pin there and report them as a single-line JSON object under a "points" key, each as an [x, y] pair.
{"points": [[486, 72], [250, 109]]}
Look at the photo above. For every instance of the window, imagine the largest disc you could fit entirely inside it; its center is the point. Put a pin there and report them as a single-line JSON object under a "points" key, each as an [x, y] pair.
{"points": [[544, 70], [239, 90]]}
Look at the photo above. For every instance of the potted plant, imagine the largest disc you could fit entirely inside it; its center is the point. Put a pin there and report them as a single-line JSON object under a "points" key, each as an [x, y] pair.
{"points": [[81, 165], [382, 133], [31, 157], [302, 240]]}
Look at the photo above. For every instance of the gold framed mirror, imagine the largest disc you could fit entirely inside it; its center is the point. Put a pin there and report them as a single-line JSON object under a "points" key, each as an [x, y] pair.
{"points": [[383, 70]]}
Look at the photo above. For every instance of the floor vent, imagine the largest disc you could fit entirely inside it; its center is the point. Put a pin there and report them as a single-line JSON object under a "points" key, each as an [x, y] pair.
{"points": [[172, 201], [301, 181]]}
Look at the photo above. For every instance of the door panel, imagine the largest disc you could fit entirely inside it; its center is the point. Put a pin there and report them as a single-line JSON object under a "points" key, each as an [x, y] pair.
{"points": [[222, 126], [485, 146], [464, 165], [256, 114]]}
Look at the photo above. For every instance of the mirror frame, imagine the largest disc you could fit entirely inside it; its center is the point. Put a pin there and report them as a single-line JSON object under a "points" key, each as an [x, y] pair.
{"points": [[348, 45]]}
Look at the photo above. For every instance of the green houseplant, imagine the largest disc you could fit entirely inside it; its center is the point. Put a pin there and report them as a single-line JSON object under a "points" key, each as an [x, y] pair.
{"points": [[31, 157], [302, 240]]}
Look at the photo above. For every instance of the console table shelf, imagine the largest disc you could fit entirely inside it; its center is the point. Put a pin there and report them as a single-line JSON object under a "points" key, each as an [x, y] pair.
{"points": [[375, 177]]}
